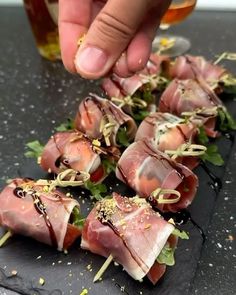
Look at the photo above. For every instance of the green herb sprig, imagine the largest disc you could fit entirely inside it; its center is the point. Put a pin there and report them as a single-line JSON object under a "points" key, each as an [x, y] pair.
{"points": [[212, 154], [97, 190], [35, 149], [122, 137], [226, 120], [66, 126], [77, 219]]}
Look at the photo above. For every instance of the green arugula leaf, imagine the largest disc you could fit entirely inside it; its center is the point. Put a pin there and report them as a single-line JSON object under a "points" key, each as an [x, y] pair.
{"points": [[202, 136], [76, 218], [35, 149], [212, 155], [96, 190], [122, 138], [109, 166], [147, 94], [166, 256], [140, 115], [226, 120], [68, 125], [180, 233]]}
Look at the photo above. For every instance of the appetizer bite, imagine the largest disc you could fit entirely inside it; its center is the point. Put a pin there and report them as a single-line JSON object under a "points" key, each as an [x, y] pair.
{"points": [[190, 67], [101, 119], [174, 136], [130, 232], [137, 94], [195, 99], [152, 174], [74, 150], [31, 209]]}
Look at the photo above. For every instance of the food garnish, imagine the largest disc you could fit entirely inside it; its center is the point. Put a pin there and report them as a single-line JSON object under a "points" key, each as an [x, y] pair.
{"points": [[35, 149]]}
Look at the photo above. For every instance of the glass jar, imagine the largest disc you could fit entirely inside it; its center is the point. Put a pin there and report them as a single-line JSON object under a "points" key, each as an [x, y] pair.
{"points": [[43, 17]]}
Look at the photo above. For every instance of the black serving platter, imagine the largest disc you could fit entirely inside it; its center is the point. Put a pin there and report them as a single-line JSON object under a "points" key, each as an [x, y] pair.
{"points": [[36, 96], [71, 273]]}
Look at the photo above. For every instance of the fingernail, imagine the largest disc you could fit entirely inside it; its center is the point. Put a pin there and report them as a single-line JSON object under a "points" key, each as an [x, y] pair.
{"points": [[91, 60]]}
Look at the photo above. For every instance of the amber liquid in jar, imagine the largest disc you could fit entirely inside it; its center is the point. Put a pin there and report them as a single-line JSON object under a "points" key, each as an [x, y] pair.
{"points": [[178, 11], [43, 15]]}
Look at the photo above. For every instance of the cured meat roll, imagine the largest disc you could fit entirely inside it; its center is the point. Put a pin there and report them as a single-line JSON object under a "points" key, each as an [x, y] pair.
{"points": [[115, 86], [190, 67], [194, 96], [145, 169], [169, 132], [138, 92], [28, 209], [72, 149], [131, 232], [100, 119]]}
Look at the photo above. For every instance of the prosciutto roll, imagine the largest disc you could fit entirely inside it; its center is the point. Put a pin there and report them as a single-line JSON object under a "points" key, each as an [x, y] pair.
{"points": [[72, 149], [145, 169], [48, 217], [190, 67], [192, 96], [130, 231], [100, 119], [115, 86], [169, 132]]}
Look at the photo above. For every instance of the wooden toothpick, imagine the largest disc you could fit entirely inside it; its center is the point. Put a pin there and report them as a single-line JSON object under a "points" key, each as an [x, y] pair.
{"points": [[103, 268]]}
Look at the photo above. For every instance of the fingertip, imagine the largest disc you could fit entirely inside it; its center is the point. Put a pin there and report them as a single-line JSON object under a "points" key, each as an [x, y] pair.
{"points": [[69, 36], [138, 52], [121, 67]]}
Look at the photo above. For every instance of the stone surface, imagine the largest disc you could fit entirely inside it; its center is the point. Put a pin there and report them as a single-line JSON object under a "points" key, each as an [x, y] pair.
{"points": [[37, 95]]}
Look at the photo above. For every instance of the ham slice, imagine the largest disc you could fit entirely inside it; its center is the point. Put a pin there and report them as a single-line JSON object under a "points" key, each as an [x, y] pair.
{"points": [[94, 111], [191, 96], [190, 67], [27, 209], [169, 132], [130, 231], [144, 168], [70, 149], [115, 86], [136, 85]]}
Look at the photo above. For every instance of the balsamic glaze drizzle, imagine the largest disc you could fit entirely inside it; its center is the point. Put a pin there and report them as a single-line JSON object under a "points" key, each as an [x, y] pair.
{"points": [[109, 223], [40, 208], [180, 217], [217, 183]]}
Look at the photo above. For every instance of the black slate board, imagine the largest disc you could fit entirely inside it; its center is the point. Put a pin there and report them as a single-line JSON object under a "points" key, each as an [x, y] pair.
{"points": [[45, 87], [66, 274]]}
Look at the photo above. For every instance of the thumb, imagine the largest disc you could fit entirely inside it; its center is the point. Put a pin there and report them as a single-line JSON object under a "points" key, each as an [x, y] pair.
{"points": [[108, 36]]}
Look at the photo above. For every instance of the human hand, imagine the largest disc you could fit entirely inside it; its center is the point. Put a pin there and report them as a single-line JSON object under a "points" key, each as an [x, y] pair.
{"points": [[118, 34]]}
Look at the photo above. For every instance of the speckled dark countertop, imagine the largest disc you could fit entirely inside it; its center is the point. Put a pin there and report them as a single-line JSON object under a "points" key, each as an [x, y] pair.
{"points": [[32, 86]]}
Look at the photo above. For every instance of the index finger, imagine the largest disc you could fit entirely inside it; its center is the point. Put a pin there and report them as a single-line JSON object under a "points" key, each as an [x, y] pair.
{"points": [[74, 21]]}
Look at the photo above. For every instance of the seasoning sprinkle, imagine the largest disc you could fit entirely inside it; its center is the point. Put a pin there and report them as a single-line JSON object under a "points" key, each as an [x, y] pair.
{"points": [[41, 281]]}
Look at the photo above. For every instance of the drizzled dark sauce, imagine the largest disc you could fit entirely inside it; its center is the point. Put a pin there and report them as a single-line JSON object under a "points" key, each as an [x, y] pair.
{"points": [[216, 185], [58, 162], [40, 208], [229, 136], [19, 193], [121, 288], [64, 161], [180, 217], [86, 109], [106, 221]]}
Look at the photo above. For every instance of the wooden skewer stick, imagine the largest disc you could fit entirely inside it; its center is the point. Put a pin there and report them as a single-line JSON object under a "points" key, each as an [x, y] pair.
{"points": [[5, 237], [103, 268]]}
